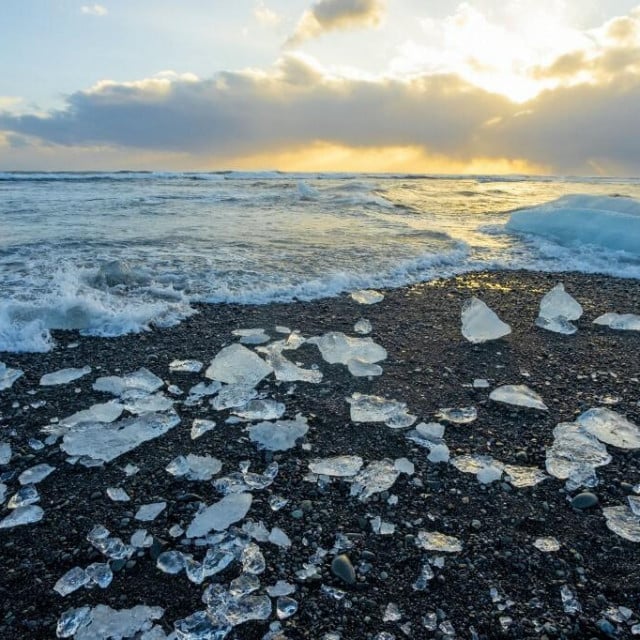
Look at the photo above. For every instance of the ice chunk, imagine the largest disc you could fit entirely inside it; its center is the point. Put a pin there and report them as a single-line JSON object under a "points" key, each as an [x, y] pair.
{"points": [[570, 603], [623, 522], [489, 474], [118, 494], [236, 364], [23, 497], [251, 336], [426, 574], [634, 504], [287, 371], [280, 435], [360, 369], [547, 545], [194, 467], [35, 474], [285, 607], [279, 538], [154, 403], [557, 325], [100, 573], [338, 348], [233, 395], [141, 539], [281, 588], [22, 515], [71, 620], [200, 390], [480, 323], [199, 427], [619, 321], [377, 476], [391, 613], [611, 428], [260, 410], [339, 466], [367, 296], [485, 468], [524, 476], [557, 303], [382, 528], [8, 376], [435, 541], [71, 581], [518, 395], [363, 326], [171, 562], [253, 561], [377, 409], [220, 515], [433, 431], [3, 492], [140, 380], [247, 608], [463, 415], [438, 453], [5, 453], [108, 441], [480, 383], [185, 366], [63, 376], [105, 623], [148, 512], [404, 466], [104, 412]]}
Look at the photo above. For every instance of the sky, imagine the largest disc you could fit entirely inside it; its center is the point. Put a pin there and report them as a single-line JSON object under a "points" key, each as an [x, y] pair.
{"points": [[483, 86]]}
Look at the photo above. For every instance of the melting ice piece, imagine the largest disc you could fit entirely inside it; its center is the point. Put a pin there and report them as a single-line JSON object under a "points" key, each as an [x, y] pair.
{"points": [[623, 522], [141, 539], [105, 623], [557, 325], [23, 497], [108, 441], [557, 303], [286, 371], [403, 465], [185, 366], [367, 296], [339, 466], [363, 326], [462, 415], [146, 403], [518, 395], [391, 613], [233, 395], [281, 588], [426, 574], [22, 515], [104, 412], [71, 620], [611, 428], [118, 494], [236, 364], [8, 376], [220, 515], [247, 608], [489, 474], [100, 573], [285, 607], [140, 380], [377, 476], [376, 409], [200, 390], [547, 545], [194, 467], [260, 410], [36, 474], [338, 348], [435, 541], [620, 321], [171, 562], [5, 453], [480, 323], [251, 336], [253, 561], [148, 512], [524, 476], [280, 435], [199, 427], [360, 369], [71, 581], [63, 376], [279, 538], [382, 528], [570, 603]]}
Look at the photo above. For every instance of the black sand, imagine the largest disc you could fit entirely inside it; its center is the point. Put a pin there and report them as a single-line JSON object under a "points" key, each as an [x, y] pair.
{"points": [[429, 366]]}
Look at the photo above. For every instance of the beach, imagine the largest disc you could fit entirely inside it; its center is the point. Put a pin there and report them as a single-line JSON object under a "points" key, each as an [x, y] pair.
{"points": [[429, 366]]}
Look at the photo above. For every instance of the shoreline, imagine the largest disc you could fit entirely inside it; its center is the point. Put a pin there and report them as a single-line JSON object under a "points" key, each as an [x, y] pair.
{"points": [[429, 366]]}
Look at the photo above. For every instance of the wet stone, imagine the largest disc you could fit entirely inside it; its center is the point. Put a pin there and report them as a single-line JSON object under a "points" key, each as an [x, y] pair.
{"points": [[584, 500], [342, 568]]}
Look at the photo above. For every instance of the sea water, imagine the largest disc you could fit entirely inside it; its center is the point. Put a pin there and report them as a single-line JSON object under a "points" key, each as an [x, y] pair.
{"points": [[115, 253]]}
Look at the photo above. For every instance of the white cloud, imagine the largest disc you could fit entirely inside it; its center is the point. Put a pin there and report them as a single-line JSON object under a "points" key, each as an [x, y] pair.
{"points": [[94, 10], [265, 16]]}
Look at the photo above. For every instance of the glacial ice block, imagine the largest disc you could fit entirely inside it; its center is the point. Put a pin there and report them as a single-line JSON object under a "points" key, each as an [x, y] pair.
{"points": [[336, 347], [22, 515], [377, 476], [619, 321], [236, 364], [518, 395], [366, 408], [480, 323], [557, 309], [140, 380], [280, 435], [367, 296], [220, 515], [8, 376], [611, 428], [623, 522], [104, 623], [338, 466], [436, 541], [63, 376]]}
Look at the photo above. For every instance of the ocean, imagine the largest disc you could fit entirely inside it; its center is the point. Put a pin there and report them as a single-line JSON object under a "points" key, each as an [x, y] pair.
{"points": [[116, 253]]}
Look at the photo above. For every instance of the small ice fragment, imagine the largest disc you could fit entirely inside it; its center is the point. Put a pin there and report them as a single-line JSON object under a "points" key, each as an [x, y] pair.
{"points": [[376, 477], [35, 444], [71, 620], [282, 329], [360, 369], [256, 530], [557, 303], [140, 380], [285, 607], [338, 348], [462, 415], [260, 410], [103, 412], [141, 539], [8, 376], [547, 545], [196, 468], [174, 390], [435, 541], [570, 603], [480, 323], [200, 390], [5, 453], [382, 528], [253, 561], [433, 431], [489, 474], [23, 497], [404, 466], [175, 531], [634, 505], [287, 371], [3, 492], [619, 321], [118, 494], [233, 395], [281, 588], [280, 435], [277, 502], [185, 366], [35, 474], [171, 562], [243, 585], [524, 476], [247, 608], [200, 426], [100, 573], [557, 325], [279, 538], [22, 515], [391, 613], [339, 466], [367, 296], [362, 327], [426, 574], [104, 623], [71, 581], [623, 522], [63, 376], [611, 428], [148, 404], [251, 336], [518, 395], [366, 408], [131, 470], [236, 364], [480, 383], [149, 512], [220, 515]]}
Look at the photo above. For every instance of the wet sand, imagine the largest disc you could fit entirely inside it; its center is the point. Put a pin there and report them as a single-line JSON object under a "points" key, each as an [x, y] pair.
{"points": [[429, 366]]}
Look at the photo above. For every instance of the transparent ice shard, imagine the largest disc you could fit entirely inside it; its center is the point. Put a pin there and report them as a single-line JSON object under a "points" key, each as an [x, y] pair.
{"points": [[149, 512], [5, 453], [251, 336], [557, 325], [220, 515], [253, 561], [145, 403], [200, 390], [377, 476], [524, 476], [438, 453], [379, 527], [403, 465], [195, 468], [118, 494], [236, 364], [63, 376], [518, 395], [557, 303], [280, 435], [3, 492], [285, 607], [233, 395], [393, 413], [108, 441], [185, 366], [8, 376], [619, 321], [623, 522], [71, 620], [109, 546], [634, 504], [435, 541], [141, 539], [276, 502], [422, 581], [490, 473], [279, 538], [338, 348], [570, 603], [35, 474], [256, 530], [140, 380], [243, 585], [260, 409], [611, 428], [367, 296], [281, 588], [100, 573], [71, 581], [105, 623], [363, 326], [338, 466], [23, 497], [22, 515], [171, 562], [480, 383], [247, 608], [547, 545], [391, 613], [480, 323], [199, 427], [461, 415], [104, 412], [286, 371], [360, 369], [201, 626]]}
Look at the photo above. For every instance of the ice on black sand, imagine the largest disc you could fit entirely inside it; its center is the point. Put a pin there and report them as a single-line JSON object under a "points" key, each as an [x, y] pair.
{"points": [[480, 323]]}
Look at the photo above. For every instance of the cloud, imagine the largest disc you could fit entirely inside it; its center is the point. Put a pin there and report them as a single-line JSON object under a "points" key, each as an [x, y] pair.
{"points": [[332, 15], [265, 16], [94, 10]]}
